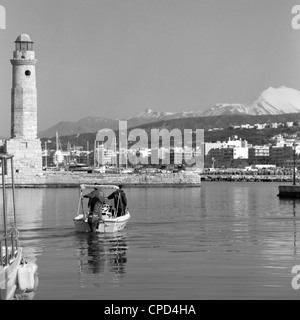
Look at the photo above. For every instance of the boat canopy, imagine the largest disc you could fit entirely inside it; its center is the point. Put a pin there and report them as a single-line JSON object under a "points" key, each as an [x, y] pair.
{"points": [[5, 156], [98, 186]]}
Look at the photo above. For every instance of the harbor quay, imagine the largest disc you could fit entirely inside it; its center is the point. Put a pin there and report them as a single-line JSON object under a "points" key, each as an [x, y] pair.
{"points": [[249, 177], [66, 179]]}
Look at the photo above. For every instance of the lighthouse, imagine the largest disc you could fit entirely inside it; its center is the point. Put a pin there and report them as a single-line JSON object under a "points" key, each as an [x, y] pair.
{"points": [[23, 143]]}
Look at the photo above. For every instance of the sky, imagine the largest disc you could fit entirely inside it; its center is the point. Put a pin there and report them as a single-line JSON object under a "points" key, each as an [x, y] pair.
{"points": [[116, 58]]}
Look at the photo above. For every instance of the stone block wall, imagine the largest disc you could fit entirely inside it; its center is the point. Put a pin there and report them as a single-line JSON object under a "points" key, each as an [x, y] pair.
{"points": [[27, 159], [155, 179], [24, 114], [73, 179]]}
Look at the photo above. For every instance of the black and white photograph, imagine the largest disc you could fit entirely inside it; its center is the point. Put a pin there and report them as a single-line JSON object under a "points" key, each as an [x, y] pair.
{"points": [[149, 153]]}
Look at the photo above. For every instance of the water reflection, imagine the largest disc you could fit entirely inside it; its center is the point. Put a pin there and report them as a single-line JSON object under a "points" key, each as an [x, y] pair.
{"points": [[292, 205], [100, 257], [180, 239], [295, 227], [27, 295]]}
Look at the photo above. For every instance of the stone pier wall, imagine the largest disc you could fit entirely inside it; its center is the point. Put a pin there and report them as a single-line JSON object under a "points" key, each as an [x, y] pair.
{"points": [[27, 159], [73, 179]]}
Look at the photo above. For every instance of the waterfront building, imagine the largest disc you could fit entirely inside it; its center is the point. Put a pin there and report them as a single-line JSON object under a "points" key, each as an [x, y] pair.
{"points": [[231, 143], [237, 143], [289, 163], [279, 155], [240, 152], [221, 157], [259, 155], [226, 153], [23, 143], [212, 145]]}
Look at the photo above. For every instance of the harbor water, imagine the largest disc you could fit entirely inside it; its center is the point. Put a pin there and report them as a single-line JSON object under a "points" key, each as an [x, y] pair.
{"points": [[225, 240]]}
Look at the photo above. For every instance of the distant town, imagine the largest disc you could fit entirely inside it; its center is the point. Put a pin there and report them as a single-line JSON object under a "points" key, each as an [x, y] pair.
{"points": [[238, 153], [235, 152]]}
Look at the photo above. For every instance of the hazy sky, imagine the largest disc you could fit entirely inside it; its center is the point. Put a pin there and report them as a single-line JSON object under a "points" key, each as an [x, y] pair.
{"points": [[115, 58]]}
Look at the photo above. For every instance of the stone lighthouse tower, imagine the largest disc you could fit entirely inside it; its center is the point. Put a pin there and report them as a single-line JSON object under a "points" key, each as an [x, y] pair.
{"points": [[23, 143]]}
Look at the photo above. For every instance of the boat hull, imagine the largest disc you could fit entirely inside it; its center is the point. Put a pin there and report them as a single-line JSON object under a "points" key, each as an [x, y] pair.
{"points": [[106, 225], [8, 277]]}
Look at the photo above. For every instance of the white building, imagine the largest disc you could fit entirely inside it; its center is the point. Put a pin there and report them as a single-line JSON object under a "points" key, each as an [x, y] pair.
{"points": [[274, 125], [213, 145], [240, 153], [261, 151], [235, 143], [259, 126]]}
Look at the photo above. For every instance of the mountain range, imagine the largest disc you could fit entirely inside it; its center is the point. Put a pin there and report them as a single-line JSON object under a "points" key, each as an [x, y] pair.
{"points": [[272, 101]]}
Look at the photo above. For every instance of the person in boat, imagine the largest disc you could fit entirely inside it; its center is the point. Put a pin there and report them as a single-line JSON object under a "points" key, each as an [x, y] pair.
{"points": [[96, 200], [120, 201]]}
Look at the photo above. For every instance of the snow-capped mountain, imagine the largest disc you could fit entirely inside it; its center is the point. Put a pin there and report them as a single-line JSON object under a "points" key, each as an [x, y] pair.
{"points": [[272, 101], [156, 115], [225, 109], [276, 101]]}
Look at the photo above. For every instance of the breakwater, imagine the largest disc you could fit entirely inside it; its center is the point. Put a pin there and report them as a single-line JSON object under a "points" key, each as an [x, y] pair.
{"points": [[248, 178], [63, 179]]}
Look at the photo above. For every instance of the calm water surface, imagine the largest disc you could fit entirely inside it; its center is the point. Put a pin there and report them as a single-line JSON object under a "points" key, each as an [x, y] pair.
{"points": [[225, 240]]}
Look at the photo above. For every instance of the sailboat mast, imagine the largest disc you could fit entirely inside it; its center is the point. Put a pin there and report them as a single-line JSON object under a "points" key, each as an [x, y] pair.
{"points": [[56, 150], [87, 153], [116, 152]]}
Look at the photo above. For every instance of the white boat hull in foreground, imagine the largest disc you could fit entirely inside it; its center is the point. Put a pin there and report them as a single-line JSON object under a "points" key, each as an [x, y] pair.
{"points": [[16, 276], [106, 225], [8, 276]]}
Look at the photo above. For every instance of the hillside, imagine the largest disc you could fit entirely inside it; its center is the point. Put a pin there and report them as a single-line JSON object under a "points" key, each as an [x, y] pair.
{"points": [[91, 124], [221, 121], [86, 125], [253, 136], [273, 101]]}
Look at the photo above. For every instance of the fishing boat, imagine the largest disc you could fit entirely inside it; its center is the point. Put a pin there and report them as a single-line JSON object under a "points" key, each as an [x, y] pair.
{"points": [[110, 220], [16, 275]]}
